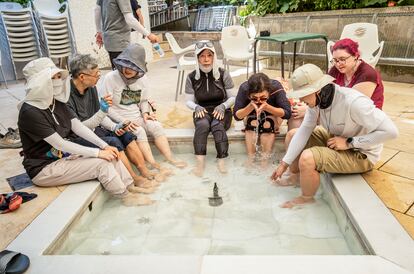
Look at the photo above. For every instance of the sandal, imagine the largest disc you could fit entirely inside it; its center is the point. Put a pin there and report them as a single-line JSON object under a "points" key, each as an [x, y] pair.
{"points": [[13, 262]]}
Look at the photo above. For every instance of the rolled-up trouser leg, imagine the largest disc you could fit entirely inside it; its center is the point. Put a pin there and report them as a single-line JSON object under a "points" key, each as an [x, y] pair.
{"points": [[113, 176], [202, 129]]}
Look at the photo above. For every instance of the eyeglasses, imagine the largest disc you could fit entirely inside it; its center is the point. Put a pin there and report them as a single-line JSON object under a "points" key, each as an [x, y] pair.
{"points": [[259, 99], [201, 45], [97, 76], [340, 60]]}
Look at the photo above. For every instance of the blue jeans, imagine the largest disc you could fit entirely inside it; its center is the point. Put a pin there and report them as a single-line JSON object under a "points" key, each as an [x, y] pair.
{"points": [[120, 142]]}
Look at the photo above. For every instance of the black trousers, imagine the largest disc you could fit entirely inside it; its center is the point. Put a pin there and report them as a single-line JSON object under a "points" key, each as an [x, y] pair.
{"points": [[207, 124], [112, 56]]}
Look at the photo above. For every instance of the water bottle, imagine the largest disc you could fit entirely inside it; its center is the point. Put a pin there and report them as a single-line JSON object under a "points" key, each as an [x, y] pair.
{"points": [[158, 49]]}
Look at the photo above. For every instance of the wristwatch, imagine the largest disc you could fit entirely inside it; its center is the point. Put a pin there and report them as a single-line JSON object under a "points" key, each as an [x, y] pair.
{"points": [[349, 142]]}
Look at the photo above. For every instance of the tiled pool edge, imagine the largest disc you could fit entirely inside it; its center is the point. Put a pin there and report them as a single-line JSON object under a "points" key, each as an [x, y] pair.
{"points": [[390, 243]]}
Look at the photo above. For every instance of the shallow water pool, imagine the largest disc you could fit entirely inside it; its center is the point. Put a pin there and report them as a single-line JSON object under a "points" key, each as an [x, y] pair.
{"points": [[182, 222]]}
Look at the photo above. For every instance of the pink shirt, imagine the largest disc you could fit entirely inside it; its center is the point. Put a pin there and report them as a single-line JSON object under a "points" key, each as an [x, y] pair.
{"points": [[364, 73]]}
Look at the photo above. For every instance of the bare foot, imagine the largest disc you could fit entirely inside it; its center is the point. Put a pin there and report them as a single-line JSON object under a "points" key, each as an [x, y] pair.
{"points": [[249, 164], [166, 171], [134, 199], [301, 200], [160, 178], [292, 180], [148, 174], [145, 183], [198, 170], [221, 165], [178, 163], [137, 189], [155, 165]]}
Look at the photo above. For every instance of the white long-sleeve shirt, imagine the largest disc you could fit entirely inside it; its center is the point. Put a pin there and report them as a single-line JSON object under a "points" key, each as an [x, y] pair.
{"points": [[128, 102], [351, 114]]}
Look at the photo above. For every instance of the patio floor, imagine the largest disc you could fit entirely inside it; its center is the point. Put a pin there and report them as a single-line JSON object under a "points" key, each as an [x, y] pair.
{"points": [[392, 179]]}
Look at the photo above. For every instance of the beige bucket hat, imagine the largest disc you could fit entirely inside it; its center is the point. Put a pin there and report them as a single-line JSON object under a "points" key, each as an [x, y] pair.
{"points": [[308, 79]]}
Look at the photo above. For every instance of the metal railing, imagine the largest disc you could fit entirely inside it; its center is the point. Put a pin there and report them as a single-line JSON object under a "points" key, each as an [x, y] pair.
{"points": [[214, 18], [396, 29], [168, 15]]}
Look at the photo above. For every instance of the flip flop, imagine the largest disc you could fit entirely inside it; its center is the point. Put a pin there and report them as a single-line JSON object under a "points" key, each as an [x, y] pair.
{"points": [[13, 262]]}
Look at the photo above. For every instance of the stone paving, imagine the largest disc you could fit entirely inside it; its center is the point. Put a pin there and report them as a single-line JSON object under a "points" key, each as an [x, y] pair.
{"points": [[392, 179]]}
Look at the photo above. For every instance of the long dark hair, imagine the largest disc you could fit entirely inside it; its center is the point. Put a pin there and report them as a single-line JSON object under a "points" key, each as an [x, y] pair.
{"points": [[260, 82]]}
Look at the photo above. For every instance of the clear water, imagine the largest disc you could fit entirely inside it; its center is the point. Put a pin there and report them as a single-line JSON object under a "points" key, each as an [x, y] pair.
{"points": [[181, 222]]}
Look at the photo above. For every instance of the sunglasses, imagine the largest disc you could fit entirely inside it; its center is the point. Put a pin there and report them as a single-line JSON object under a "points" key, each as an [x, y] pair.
{"points": [[259, 99], [201, 45]]}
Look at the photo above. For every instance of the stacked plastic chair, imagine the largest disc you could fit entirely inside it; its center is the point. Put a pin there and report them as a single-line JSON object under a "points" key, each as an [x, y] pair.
{"points": [[20, 35], [55, 27]]}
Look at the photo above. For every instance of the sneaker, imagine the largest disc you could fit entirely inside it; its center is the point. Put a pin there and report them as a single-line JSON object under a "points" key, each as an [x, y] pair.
{"points": [[11, 139]]}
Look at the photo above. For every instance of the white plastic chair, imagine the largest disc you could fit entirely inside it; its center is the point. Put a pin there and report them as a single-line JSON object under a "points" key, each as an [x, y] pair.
{"points": [[366, 34], [2, 73], [183, 63], [236, 45]]}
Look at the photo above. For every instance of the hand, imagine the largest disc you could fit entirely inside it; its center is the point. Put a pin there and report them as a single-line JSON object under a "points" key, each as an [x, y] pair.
{"points": [[218, 112], [299, 110], [113, 149], [148, 116], [153, 38], [108, 153], [337, 143], [261, 108], [131, 127], [119, 132], [200, 112], [277, 174], [98, 39]]}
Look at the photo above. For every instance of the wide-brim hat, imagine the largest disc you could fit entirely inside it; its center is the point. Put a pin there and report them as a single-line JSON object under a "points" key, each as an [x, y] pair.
{"points": [[308, 79]]}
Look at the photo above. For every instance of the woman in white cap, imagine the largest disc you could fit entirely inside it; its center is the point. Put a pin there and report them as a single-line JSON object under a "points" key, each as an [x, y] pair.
{"points": [[348, 140], [209, 93], [44, 124]]}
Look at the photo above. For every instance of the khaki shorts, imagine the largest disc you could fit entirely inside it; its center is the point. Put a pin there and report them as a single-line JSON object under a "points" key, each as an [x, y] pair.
{"points": [[331, 161]]}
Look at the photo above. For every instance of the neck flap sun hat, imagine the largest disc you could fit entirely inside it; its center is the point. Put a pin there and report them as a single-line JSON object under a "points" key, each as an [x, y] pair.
{"points": [[199, 47], [39, 87], [308, 79]]}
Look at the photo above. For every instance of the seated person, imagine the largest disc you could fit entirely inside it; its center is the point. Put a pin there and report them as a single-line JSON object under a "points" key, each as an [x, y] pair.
{"points": [[351, 71], [209, 92], [348, 140], [262, 104], [128, 86], [44, 124], [85, 104]]}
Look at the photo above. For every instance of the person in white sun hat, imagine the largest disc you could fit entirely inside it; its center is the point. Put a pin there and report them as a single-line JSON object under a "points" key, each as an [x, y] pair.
{"points": [[348, 139]]}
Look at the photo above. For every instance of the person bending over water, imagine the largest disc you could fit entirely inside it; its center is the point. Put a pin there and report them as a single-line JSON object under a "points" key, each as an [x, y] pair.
{"points": [[45, 122], [348, 140], [209, 93], [128, 86], [262, 104]]}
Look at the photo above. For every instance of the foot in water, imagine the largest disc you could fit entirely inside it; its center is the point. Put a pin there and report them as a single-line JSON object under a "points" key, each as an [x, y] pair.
{"points": [[298, 201], [135, 199], [137, 189], [177, 163], [140, 181], [291, 179], [221, 166]]}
